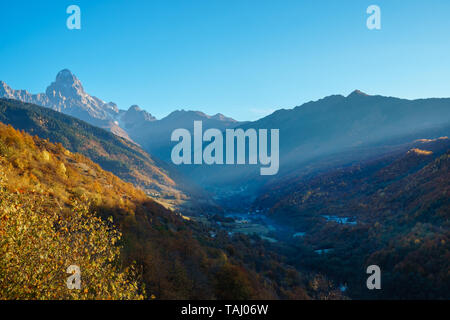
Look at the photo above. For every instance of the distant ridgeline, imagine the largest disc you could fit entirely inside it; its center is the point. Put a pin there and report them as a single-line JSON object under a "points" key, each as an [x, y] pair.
{"points": [[392, 211]]}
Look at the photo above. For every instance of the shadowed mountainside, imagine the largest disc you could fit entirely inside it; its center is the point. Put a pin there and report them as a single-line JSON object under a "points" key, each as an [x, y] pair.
{"points": [[338, 123], [393, 212], [336, 130], [155, 136]]}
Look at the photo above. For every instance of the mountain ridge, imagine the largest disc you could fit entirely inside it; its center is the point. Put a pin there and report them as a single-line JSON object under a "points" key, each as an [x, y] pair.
{"points": [[113, 153], [392, 211], [67, 95]]}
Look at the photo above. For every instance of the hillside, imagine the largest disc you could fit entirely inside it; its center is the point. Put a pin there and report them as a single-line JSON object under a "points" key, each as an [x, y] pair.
{"points": [[340, 129], [175, 257], [393, 212], [117, 155]]}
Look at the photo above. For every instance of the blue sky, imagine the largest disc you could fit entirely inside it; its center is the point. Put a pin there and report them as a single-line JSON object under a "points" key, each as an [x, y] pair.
{"points": [[243, 58]]}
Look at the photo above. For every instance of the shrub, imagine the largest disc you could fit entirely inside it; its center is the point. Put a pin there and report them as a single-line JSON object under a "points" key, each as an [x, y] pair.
{"points": [[37, 245]]}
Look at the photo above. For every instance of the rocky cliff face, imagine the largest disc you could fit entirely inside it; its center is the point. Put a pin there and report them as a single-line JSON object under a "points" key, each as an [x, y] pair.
{"points": [[66, 94], [22, 95]]}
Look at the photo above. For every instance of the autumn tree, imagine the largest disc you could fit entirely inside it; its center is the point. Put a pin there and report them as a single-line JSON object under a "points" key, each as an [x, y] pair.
{"points": [[37, 246]]}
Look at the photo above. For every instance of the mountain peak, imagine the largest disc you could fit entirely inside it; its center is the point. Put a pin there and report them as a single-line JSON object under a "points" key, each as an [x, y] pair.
{"points": [[198, 115], [66, 76], [66, 85], [134, 107], [135, 115], [221, 117], [357, 93], [4, 89]]}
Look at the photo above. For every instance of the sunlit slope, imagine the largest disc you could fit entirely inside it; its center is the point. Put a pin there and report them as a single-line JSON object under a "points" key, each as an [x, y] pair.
{"points": [[112, 153]]}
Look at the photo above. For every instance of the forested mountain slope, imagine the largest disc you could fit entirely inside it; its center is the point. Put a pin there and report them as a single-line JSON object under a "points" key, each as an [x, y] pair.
{"points": [[393, 212], [115, 154]]}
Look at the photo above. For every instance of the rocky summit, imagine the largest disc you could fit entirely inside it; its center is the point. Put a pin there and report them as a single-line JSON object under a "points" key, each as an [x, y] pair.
{"points": [[66, 94]]}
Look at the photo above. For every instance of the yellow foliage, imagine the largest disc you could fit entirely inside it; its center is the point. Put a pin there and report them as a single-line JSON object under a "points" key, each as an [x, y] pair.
{"points": [[37, 245], [43, 230], [421, 152]]}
